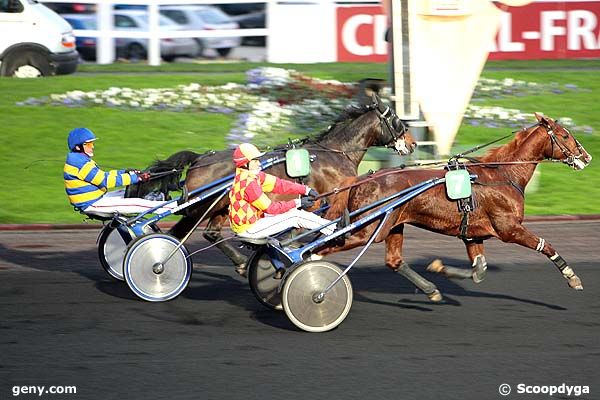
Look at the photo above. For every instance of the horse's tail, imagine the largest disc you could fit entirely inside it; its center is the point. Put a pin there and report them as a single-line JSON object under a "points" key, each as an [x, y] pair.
{"points": [[339, 202]]}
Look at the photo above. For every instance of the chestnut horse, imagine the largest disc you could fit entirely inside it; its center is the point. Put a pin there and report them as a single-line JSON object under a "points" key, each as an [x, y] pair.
{"points": [[337, 153], [498, 192]]}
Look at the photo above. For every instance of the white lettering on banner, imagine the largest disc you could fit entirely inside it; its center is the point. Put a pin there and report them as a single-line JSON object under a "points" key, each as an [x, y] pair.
{"points": [[505, 35], [579, 30], [550, 30], [349, 35], [581, 25], [541, 32], [379, 33]]}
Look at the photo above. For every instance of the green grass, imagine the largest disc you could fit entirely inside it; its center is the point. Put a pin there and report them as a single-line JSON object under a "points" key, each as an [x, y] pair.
{"points": [[33, 139]]}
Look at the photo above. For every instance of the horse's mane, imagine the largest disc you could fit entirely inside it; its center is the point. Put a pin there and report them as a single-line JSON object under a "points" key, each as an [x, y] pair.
{"points": [[175, 161], [349, 114], [506, 151]]}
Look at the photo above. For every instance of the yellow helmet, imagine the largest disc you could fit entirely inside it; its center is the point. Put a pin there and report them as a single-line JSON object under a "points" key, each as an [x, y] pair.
{"points": [[244, 153]]}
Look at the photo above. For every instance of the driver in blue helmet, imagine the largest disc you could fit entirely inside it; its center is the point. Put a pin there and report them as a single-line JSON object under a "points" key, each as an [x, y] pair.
{"points": [[87, 185]]}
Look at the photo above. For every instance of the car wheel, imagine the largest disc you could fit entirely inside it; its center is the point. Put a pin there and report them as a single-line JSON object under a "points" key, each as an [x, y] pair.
{"points": [[136, 51], [200, 47], [26, 64], [224, 52]]}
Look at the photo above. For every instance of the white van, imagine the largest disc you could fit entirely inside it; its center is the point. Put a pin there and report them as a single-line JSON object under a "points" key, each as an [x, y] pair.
{"points": [[34, 41]]}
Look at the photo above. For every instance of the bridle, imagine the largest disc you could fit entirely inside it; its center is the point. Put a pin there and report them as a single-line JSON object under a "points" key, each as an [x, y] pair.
{"points": [[571, 159], [390, 122]]}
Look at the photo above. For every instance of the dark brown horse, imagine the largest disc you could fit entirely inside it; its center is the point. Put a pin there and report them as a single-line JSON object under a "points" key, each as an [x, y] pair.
{"points": [[498, 193], [337, 152]]}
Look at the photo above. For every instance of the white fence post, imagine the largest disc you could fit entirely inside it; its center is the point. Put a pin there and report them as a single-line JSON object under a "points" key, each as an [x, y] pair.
{"points": [[153, 27], [106, 43]]}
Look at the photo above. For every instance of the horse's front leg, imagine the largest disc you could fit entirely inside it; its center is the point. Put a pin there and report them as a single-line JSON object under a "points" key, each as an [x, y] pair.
{"points": [[395, 262], [475, 252], [478, 263], [520, 235], [212, 233]]}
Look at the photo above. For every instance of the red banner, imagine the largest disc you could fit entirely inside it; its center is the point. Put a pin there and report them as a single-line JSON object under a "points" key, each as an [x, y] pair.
{"points": [[361, 34], [549, 30], [541, 30]]}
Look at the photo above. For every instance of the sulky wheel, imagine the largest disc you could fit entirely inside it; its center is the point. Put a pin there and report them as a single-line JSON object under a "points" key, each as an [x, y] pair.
{"points": [[260, 278], [148, 272], [300, 301], [112, 246]]}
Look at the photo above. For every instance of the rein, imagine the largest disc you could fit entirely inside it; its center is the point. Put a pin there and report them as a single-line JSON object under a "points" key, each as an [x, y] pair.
{"points": [[478, 147], [402, 169]]}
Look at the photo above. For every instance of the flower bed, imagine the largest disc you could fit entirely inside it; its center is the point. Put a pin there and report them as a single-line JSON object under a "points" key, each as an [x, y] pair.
{"points": [[277, 104]]}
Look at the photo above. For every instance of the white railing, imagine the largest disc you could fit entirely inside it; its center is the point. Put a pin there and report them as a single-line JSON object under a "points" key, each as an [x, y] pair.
{"points": [[106, 33]]}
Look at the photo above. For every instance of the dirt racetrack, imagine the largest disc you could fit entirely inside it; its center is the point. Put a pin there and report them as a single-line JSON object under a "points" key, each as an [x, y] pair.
{"points": [[63, 321]]}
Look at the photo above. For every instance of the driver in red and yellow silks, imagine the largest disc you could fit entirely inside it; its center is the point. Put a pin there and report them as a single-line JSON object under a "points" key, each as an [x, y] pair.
{"points": [[252, 214]]}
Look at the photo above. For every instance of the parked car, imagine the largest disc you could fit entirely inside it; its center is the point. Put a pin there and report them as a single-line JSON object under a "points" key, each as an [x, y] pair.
{"points": [[132, 48], [137, 20], [242, 8], [255, 20], [86, 46], [71, 8], [34, 41], [195, 17]]}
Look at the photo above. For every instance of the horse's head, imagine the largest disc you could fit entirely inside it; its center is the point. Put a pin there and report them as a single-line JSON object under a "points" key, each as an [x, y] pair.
{"points": [[564, 146], [394, 133]]}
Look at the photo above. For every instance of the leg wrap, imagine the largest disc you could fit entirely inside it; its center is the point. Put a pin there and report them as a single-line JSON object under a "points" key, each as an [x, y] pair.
{"points": [[231, 252], [541, 245], [212, 236], [559, 261], [406, 271], [562, 266], [479, 268]]}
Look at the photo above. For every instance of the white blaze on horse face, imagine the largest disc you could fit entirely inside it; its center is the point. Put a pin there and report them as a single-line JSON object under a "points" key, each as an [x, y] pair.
{"points": [[579, 164], [587, 158], [400, 146], [582, 160]]}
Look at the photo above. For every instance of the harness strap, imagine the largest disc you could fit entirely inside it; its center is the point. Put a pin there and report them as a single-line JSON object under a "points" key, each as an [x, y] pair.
{"points": [[503, 183], [464, 224]]}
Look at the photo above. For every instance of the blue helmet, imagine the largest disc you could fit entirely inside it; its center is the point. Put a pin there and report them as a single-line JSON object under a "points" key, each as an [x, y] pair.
{"points": [[79, 136]]}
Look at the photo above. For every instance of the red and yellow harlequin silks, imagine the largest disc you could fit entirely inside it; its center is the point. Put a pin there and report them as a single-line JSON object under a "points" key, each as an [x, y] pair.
{"points": [[248, 201]]}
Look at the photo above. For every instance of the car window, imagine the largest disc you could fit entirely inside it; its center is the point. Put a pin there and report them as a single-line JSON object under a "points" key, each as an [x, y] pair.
{"points": [[140, 21], [165, 21], [11, 6], [75, 24], [176, 15], [123, 21], [89, 24], [213, 16]]}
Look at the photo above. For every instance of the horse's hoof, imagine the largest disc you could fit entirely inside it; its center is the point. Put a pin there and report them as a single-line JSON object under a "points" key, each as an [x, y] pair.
{"points": [[478, 276], [435, 296], [479, 269], [575, 283], [242, 269], [436, 266]]}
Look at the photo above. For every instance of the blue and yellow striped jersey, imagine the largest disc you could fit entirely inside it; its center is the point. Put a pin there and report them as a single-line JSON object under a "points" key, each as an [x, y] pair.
{"points": [[85, 183]]}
